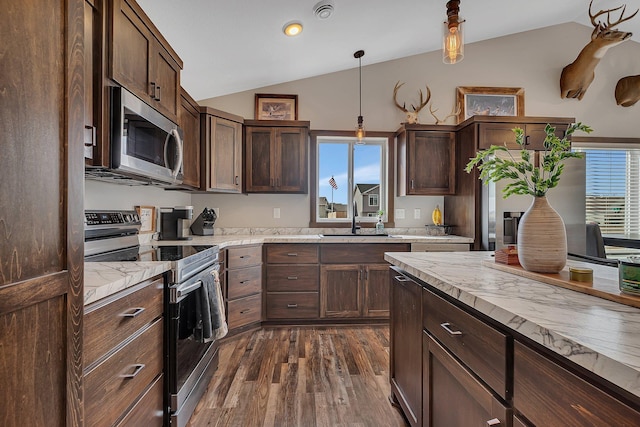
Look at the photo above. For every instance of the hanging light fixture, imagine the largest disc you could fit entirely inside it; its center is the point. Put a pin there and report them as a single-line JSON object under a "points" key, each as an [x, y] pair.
{"points": [[360, 128], [453, 40]]}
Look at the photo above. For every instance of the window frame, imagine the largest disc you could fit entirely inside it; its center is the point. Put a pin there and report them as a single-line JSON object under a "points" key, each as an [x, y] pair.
{"points": [[313, 179]]}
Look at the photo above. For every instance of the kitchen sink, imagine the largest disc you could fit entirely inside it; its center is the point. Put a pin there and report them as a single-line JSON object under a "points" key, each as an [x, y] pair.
{"points": [[354, 235]]}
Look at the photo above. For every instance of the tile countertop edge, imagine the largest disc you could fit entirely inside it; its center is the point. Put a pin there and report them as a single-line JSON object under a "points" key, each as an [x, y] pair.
{"points": [[503, 297], [102, 279]]}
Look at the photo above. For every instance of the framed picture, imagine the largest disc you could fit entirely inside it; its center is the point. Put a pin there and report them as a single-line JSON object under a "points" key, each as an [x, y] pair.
{"points": [[147, 218], [276, 107], [490, 101]]}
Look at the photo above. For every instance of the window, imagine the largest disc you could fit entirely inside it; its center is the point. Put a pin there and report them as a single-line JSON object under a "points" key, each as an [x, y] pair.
{"points": [[344, 173], [613, 187]]}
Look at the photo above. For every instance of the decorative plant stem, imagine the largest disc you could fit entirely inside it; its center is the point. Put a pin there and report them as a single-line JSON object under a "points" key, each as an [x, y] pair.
{"points": [[525, 176]]}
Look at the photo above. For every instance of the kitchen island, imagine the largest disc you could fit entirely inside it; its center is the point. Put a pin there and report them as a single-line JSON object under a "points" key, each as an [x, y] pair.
{"points": [[593, 337]]}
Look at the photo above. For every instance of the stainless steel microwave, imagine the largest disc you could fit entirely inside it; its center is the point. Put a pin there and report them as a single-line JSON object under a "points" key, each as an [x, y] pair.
{"points": [[144, 143]]}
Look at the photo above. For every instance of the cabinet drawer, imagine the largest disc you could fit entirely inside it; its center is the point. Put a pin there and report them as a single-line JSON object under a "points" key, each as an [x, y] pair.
{"points": [[244, 256], [549, 395], [109, 322], [117, 382], [148, 410], [243, 282], [300, 253], [244, 311], [293, 305], [291, 278], [481, 347], [352, 253]]}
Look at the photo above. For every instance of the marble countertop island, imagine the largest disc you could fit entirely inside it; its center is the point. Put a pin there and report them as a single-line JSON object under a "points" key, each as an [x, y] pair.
{"points": [[600, 335]]}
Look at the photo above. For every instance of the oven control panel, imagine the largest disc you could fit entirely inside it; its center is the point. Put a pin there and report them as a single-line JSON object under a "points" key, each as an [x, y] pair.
{"points": [[93, 218]]}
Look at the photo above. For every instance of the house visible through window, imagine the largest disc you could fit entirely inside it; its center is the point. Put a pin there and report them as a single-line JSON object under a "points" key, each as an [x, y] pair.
{"points": [[613, 187], [348, 172]]}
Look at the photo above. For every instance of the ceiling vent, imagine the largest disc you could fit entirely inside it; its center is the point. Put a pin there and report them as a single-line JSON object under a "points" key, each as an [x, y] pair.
{"points": [[323, 9]]}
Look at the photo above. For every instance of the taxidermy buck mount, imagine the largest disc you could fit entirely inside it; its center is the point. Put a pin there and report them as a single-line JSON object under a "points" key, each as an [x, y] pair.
{"points": [[412, 116], [577, 76], [628, 91]]}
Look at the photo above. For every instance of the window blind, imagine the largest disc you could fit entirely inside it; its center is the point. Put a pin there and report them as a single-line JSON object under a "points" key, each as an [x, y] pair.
{"points": [[613, 189]]}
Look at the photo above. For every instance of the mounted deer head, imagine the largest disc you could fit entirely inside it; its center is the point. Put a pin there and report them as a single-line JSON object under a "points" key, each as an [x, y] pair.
{"points": [[454, 113], [628, 91], [577, 76], [412, 116]]}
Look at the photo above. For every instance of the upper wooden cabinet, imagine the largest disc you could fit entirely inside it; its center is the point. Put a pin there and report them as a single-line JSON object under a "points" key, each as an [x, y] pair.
{"points": [[426, 160], [189, 122], [221, 147], [142, 61], [276, 156]]}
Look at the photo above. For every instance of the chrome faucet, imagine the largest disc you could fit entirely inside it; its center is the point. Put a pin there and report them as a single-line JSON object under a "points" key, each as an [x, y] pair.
{"points": [[354, 227]]}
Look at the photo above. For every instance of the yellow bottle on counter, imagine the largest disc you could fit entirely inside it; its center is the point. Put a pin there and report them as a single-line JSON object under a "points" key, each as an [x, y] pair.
{"points": [[436, 216]]}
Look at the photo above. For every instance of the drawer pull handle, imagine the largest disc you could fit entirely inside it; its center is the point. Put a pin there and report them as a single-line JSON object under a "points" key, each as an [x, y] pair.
{"points": [[493, 422], [292, 254], [292, 305], [245, 311], [245, 256], [446, 327], [136, 311], [292, 277], [401, 279], [137, 368], [244, 281]]}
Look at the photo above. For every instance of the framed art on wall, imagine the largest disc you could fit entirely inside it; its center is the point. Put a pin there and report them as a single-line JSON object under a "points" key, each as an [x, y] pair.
{"points": [[489, 101], [276, 107]]}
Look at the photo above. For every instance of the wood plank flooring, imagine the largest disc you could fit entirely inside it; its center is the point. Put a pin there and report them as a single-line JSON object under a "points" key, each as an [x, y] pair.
{"points": [[302, 376]]}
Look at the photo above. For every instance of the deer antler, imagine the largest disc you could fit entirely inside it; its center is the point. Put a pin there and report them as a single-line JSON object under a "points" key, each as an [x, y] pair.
{"points": [[395, 94], [422, 103], [600, 26], [454, 112]]}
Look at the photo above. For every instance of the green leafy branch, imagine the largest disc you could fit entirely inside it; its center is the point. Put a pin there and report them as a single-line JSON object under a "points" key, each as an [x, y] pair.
{"points": [[525, 176]]}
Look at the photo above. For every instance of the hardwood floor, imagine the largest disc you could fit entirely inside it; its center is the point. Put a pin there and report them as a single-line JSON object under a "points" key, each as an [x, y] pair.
{"points": [[301, 376]]}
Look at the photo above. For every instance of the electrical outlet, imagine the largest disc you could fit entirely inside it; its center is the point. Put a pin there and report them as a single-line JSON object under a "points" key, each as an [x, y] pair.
{"points": [[416, 213], [399, 213], [276, 212]]}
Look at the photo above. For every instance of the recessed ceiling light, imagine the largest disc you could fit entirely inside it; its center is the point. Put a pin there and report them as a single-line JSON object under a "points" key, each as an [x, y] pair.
{"points": [[292, 29], [323, 9]]}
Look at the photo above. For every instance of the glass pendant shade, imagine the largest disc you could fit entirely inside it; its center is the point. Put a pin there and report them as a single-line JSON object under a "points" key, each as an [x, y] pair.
{"points": [[360, 127], [453, 43], [360, 132]]}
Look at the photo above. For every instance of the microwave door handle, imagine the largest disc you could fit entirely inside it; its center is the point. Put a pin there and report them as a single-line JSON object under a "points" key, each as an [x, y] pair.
{"points": [[174, 133]]}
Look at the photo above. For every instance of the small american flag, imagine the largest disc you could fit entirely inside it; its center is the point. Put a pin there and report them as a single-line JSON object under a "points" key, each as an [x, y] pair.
{"points": [[332, 183]]}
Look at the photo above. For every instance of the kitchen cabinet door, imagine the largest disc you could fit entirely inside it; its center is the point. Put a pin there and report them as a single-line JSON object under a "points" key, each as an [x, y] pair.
{"points": [[502, 133], [340, 290], [291, 154], [376, 291], [41, 249], [226, 151], [259, 160], [189, 122]]}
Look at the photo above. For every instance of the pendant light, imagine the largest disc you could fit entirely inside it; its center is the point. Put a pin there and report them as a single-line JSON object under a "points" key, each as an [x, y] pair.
{"points": [[453, 40], [360, 127]]}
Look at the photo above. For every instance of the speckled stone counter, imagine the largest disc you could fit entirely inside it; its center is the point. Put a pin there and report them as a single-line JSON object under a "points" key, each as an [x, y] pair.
{"points": [[599, 335]]}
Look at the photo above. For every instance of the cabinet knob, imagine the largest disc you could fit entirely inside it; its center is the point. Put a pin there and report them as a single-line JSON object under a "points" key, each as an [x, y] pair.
{"points": [[92, 142], [292, 305], [292, 277], [138, 367], [157, 97], [292, 254], [152, 93], [134, 313], [245, 311], [527, 140], [446, 327], [412, 185], [401, 279], [237, 180], [493, 422]]}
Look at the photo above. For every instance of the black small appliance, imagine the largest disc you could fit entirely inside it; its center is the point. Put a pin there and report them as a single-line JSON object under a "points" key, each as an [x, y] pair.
{"points": [[203, 225]]}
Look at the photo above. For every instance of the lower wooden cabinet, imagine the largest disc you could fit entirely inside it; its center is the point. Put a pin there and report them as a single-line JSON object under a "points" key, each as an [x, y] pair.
{"points": [[243, 287], [123, 374], [405, 332], [452, 396], [548, 395]]}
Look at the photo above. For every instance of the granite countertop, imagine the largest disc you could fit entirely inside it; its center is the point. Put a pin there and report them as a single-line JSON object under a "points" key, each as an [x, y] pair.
{"points": [[102, 279], [600, 335]]}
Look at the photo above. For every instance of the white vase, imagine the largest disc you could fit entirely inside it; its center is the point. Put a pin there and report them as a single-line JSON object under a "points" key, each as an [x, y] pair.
{"points": [[542, 239]]}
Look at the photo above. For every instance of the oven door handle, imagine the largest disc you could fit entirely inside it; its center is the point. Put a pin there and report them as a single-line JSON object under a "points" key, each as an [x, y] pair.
{"points": [[178, 293]]}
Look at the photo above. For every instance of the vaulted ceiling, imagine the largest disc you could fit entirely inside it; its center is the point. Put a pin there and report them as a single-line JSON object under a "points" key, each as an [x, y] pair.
{"points": [[231, 46]]}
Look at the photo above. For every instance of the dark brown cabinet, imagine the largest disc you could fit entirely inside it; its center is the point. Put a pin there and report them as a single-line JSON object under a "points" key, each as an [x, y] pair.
{"points": [[221, 147], [426, 160], [293, 281], [41, 285], [243, 290], [276, 156], [502, 134], [405, 358], [142, 61], [123, 362], [189, 122]]}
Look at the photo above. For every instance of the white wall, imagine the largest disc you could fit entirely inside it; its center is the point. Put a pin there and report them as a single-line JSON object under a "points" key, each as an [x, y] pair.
{"points": [[532, 60]]}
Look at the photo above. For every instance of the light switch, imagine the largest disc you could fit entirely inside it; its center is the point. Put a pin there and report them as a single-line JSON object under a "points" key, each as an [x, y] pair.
{"points": [[416, 213], [276, 212], [399, 213]]}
